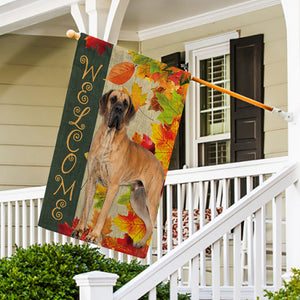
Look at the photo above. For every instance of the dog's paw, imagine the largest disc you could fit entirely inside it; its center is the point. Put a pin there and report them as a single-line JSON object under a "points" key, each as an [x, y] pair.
{"points": [[92, 238], [138, 245], [77, 233]]}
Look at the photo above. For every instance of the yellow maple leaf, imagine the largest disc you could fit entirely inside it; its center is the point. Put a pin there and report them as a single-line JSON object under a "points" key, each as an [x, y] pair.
{"points": [[164, 137], [131, 224], [143, 71], [138, 99]]}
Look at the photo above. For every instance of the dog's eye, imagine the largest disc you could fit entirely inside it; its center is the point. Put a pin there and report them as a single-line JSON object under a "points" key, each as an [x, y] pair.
{"points": [[113, 99], [125, 103]]}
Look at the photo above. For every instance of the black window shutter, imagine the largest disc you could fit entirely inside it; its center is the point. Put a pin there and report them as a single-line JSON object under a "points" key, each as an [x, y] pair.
{"points": [[178, 155], [246, 78]]}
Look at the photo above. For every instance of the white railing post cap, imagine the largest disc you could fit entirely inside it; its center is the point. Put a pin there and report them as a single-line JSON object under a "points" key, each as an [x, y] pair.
{"points": [[96, 278]]}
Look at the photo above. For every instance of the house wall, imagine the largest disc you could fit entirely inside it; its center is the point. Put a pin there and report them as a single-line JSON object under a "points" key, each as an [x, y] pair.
{"points": [[271, 23], [34, 75], [35, 70]]}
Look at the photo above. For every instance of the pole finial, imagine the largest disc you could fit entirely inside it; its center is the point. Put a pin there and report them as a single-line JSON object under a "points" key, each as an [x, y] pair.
{"points": [[73, 34]]}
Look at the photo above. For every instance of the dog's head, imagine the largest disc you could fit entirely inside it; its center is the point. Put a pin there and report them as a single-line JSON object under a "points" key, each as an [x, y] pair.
{"points": [[117, 108]]}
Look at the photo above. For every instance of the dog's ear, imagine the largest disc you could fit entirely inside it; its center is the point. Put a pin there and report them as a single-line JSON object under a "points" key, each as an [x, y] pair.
{"points": [[103, 103], [130, 112]]}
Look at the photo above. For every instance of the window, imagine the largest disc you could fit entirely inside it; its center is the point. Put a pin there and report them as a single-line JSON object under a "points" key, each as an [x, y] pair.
{"points": [[214, 112], [208, 126]]}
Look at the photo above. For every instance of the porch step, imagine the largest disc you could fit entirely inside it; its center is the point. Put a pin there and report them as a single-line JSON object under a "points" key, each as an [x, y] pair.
{"points": [[206, 293]]}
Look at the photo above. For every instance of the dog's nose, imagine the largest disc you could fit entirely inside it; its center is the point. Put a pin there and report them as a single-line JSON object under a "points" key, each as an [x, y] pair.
{"points": [[118, 109]]}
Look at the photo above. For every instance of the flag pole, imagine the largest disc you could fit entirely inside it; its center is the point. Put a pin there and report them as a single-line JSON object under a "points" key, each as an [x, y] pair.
{"points": [[286, 115]]}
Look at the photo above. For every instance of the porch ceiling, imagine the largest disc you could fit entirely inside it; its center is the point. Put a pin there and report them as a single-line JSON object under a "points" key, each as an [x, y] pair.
{"points": [[143, 19]]}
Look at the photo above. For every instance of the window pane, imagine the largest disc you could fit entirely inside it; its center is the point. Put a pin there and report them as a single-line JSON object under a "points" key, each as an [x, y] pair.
{"points": [[213, 153], [214, 105]]}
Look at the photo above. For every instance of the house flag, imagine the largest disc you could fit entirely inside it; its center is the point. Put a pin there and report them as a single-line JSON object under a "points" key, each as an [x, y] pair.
{"points": [[152, 95]]}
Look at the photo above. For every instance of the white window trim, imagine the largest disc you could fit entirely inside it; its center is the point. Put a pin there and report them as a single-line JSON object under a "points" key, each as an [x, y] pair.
{"points": [[195, 50]]}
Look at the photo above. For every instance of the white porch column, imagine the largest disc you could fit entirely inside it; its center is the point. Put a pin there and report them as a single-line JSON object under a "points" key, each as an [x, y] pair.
{"points": [[96, 285], [98, 11], [292, 17]]}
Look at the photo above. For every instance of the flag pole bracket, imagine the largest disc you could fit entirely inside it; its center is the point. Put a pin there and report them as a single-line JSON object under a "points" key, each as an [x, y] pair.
{"points": [[285, 115]]}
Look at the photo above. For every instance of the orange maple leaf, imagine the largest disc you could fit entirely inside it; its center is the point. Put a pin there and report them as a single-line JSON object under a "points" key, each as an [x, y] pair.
{"points": [[137, 138], [107, 225], [138, 99], [131, 224]]}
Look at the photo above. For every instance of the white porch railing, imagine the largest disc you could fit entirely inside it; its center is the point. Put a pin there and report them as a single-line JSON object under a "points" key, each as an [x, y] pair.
{"points": [[189, 192], [188, 189], [251, 206]]}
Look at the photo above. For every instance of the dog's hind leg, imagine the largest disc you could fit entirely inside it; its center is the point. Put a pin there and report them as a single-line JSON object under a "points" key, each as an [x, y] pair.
{"points": [[138, 203], [89, 196]]}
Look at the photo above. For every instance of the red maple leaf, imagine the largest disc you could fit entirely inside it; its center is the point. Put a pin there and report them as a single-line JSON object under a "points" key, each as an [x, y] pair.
{"points": [[176, 77], [92, 42], [66, 229]]}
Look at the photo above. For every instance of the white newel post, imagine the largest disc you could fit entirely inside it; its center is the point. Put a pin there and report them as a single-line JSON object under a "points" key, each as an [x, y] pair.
{"points": [[96, 285], [292, 18]]}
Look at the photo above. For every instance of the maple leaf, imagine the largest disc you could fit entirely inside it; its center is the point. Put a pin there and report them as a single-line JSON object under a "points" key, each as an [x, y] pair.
{"points": [[106, 227], [185, 78], [164, 137], [145, 142], [171, 108], [66, 229], [125, 198], [137, 138], [124, 245], [121, 73], [176, 77], [143, 71], [139, 59], [182, 90], [100, 195], [94, 43], [138, 99], [131, 224]]}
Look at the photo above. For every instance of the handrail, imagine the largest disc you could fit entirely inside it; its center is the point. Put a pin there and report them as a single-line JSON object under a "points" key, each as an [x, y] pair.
{"points": [[230, 170], [240, 169], [199, 241], [23, 194]]}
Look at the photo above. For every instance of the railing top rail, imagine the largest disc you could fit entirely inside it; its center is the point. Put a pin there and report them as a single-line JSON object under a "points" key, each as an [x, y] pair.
{"points": [[231, 170], [207, 235], [22, 194]]}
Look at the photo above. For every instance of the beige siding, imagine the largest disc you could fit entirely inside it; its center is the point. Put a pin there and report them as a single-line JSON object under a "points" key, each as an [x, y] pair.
{"points": [[33, 80], [34, 75], [271, 23]]}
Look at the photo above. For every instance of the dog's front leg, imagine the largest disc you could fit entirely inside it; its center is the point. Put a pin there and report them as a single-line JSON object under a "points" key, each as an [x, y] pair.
{"points": [[89, 196], [94, 235]]}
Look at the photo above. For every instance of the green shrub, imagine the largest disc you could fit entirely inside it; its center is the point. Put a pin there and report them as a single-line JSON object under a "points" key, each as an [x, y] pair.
{"points": [[290, 291], [47, 271]]}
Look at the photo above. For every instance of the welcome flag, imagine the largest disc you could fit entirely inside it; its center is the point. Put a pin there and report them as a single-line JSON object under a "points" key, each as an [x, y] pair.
{"points": [[158, 93]]}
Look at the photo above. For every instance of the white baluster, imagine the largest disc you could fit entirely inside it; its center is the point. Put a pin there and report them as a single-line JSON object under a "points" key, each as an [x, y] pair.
{"points": [[277, 241], [9, 229], [24, 224], [32, 223]]}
